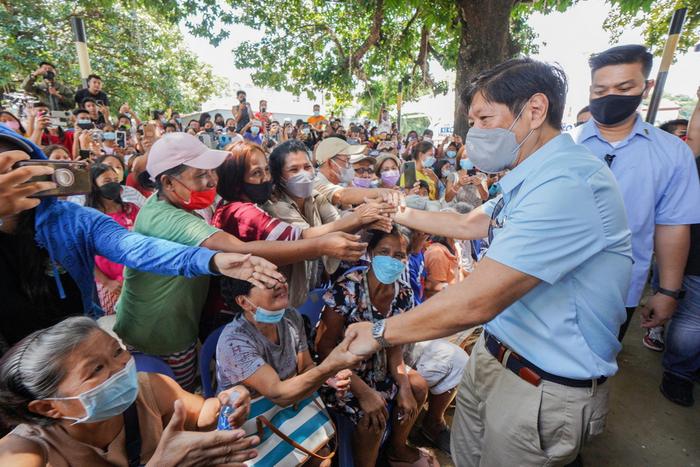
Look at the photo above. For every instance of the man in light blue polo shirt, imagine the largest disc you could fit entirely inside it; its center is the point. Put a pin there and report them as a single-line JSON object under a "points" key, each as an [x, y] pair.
{"points": [[656, 174], [551, 287]]}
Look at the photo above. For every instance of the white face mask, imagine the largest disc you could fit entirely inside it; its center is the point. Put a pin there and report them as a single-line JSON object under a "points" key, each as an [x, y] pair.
{"points": [[346, 174]]}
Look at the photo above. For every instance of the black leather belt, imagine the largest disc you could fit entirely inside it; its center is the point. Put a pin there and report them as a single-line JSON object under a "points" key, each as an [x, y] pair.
{"points": [[528, 371]]}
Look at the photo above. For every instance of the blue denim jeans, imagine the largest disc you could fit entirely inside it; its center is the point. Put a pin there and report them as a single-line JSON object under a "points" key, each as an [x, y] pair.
{"points": [[682, 355]]}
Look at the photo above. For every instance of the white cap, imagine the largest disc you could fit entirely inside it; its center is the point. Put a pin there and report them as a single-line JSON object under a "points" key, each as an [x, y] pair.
{"points": [[174, 149], [361, 157], [331, 147]]}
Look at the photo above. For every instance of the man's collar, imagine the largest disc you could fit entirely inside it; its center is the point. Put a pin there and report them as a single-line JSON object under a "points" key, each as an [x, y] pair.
{"points": [[533, 162], [590, 129]]}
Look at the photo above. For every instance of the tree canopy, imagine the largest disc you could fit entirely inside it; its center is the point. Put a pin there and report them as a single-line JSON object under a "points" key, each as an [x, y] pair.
{"points": [[136, 49], [363, 48]]}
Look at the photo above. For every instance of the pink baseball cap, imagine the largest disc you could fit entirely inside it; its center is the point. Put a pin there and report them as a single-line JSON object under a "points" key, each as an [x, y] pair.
{"points": [[174, 149]]}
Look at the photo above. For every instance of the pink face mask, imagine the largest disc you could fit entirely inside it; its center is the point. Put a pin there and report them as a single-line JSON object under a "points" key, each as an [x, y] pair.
{"points": [[12, 125]]}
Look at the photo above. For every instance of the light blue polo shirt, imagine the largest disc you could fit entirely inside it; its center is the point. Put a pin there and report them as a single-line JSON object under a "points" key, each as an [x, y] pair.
{"points": [[658, 178], [564, 222]]}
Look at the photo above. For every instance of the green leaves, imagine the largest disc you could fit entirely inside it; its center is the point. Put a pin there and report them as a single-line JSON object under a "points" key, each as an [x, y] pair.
{"points": [[140, 55]]}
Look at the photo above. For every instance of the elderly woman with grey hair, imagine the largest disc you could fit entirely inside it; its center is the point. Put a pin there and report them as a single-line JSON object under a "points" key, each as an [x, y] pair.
{"points": [[78, 400]]}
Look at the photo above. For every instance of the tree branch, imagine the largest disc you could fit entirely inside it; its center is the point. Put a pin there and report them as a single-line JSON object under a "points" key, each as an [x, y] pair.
{"points": [[437, 55], [373, 36], [406, 28]]}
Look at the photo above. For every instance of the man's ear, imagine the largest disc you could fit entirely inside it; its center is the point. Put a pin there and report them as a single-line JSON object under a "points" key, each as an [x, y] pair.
{"points": [[539, 104], [649, 86]]}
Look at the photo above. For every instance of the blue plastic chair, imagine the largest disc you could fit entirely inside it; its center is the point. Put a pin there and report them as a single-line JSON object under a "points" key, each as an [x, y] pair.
{"points": [[313, 305], [206, 355], [152, 364]]}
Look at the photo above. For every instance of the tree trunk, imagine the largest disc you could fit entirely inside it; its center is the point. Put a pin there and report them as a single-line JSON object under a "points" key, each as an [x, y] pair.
{"points": [[484, 42]]}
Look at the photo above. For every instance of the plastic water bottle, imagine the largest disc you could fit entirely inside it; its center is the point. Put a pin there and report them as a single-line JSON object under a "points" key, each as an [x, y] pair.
{"points": [[226, 411]]}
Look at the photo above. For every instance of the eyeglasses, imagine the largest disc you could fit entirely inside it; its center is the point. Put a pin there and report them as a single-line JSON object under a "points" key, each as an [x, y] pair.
{"points": [[495, 223]]}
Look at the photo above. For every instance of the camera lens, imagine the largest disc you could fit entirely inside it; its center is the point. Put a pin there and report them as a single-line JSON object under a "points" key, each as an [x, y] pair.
{"points": [[63, 177]]}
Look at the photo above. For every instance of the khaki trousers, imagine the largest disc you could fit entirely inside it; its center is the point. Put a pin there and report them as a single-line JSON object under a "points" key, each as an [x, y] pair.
{"points": [[502, 420]]}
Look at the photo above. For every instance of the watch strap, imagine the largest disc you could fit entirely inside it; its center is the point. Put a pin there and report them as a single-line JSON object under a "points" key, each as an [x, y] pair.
{"points": [[677, 294]]}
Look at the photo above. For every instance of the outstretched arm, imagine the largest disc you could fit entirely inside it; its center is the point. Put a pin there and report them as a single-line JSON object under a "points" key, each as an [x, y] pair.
{"points": [[479, 298]]}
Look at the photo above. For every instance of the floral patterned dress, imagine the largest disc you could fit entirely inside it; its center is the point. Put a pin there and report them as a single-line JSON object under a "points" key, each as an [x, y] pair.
{"points": [[349, 297]]}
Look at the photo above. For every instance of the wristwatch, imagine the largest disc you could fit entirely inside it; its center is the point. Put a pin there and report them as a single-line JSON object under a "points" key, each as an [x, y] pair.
{"points": [[378, 328], [677, 294]]}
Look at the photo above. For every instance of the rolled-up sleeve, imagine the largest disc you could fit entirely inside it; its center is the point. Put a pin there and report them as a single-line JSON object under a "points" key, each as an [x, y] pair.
{"points": [[553, 229]]}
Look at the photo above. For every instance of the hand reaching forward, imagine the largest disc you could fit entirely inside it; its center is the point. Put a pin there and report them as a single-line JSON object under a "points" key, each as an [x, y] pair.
{"points": [[258, 271], [343, 246], [362, 343], [181, 448], [14, 192], [340, 382]]}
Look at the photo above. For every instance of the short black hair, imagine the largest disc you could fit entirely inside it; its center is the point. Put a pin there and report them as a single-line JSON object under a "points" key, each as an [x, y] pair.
{"points": [[428, 131], [232, 288], [93, 76], [78, 111], [583, 110], [279, 155], [620, 55], [672, 125], [241, 91], [375, 236], [86, 100], [47, 63], [515, 81]]}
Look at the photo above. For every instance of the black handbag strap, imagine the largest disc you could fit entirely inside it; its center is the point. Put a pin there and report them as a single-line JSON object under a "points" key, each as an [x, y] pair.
{"points": [[133, 436]]}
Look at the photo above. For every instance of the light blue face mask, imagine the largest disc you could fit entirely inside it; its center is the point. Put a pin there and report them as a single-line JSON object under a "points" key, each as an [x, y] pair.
{"points": [[386, 269], [451, 154], [108, 399], [267, 316], [428, 162], [466, 164], [109, 136]]}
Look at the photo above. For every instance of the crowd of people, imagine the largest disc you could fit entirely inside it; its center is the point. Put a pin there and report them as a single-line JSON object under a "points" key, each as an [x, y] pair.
{"points": [[342, 264]]}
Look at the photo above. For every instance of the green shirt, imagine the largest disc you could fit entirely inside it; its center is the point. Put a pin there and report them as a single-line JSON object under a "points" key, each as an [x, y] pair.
{"points": [[160, 314]]}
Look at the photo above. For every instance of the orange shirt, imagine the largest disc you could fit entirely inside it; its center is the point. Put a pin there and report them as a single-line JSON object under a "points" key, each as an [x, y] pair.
{"points": [[315, 119]]}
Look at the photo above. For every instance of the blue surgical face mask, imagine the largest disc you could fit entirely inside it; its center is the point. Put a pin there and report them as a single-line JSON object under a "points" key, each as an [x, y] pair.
{"points": [[110, 398], [109, 136], [267, 316], [451, 154], [254, 130], [386, 269], [466, 164], [494, 150], [428, 162]]}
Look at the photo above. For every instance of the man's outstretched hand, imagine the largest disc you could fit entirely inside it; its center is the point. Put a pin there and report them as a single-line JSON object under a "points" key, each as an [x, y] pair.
{"points": [[258, 271], [362, 343]]}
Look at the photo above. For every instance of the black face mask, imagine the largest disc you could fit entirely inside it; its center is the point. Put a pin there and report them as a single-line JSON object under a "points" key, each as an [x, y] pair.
{"points": [[209, 130], [258, 193], [231, 128], [111, 191], [614, 108]]}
